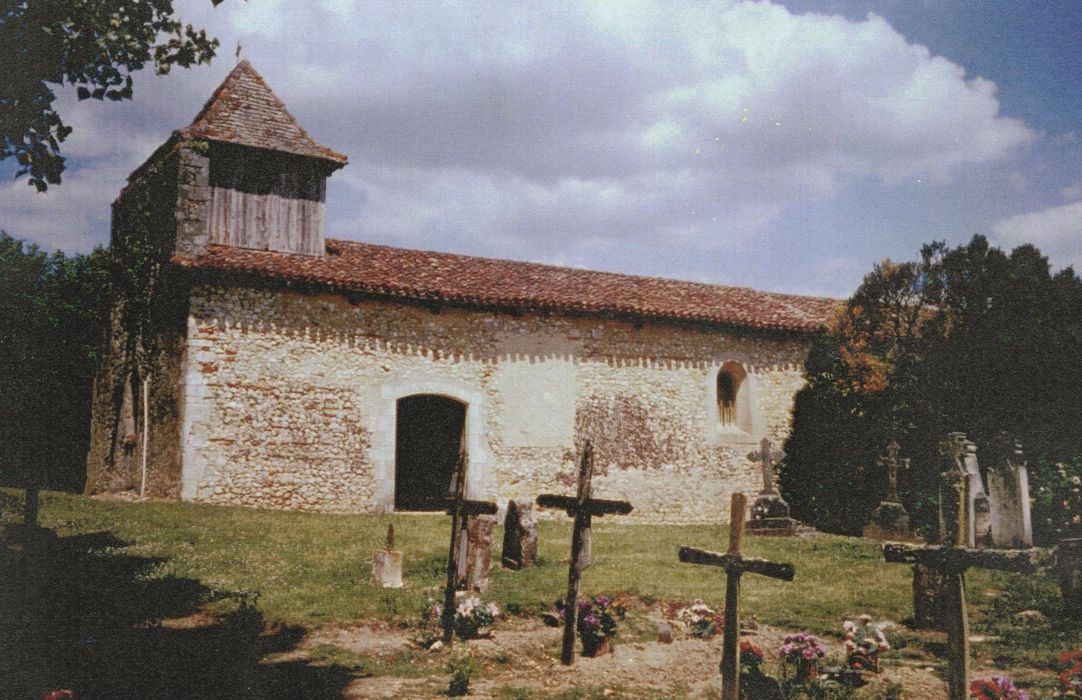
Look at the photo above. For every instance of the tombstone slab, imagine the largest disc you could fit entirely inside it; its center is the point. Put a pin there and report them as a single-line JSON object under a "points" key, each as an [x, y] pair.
{"points": [[519, 536], [1008, 495], [387, 564], [477, 550]]}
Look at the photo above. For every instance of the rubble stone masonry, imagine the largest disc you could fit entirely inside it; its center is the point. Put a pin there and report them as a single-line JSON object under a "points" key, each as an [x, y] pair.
{"points": [[289, 401]]}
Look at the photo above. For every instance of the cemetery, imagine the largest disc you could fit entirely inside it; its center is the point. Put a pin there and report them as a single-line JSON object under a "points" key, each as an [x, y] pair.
{"points": [[321, 468], [372, 606]]}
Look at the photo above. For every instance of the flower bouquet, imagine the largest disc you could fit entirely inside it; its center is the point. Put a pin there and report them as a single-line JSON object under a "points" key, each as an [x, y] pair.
{"points": [[469, 617], [803, 650], [701, 620], [1070, 675], [863, 643], [995, 688], [596, 623]]}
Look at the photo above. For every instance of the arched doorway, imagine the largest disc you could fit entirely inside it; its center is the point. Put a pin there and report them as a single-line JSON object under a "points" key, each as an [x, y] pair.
{"points": [[428, 436]]}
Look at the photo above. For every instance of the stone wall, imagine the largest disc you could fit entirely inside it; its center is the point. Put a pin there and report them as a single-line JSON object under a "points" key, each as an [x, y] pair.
{"points": [[290, 399]]}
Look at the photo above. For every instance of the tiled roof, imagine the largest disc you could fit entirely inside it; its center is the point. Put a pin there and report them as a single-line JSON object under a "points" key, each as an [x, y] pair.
{"points": [[459, 279], [244, 110]]}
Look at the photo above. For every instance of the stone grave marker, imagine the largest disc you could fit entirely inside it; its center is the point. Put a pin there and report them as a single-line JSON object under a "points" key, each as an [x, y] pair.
{"points": [[961, 454], [387, 564], [770, 512], [460, 509], [475, 554], [950, 560], [735, 564], [890, 521], [582, 507], [519, 536], [1008, 495]]}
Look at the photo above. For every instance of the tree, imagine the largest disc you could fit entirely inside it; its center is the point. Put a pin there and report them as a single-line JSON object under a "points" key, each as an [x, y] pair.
{"points": [[968, 339], [52, 311], [94, 45]]}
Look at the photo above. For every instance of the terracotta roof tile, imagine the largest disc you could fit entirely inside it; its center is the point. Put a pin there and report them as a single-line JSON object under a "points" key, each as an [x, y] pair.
{"points": [[244, 110], [459, 279]]}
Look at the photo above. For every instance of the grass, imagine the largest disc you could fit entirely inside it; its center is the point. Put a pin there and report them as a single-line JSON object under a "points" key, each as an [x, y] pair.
{"points": [[308, 569]]}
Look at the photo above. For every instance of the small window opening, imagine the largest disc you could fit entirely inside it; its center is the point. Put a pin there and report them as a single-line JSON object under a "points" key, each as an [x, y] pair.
{"points": [[730, 377]]}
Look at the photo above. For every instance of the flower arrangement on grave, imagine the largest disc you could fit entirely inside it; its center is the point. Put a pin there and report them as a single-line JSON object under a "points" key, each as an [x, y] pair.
{"points": [[863, 643], [596, 623], [1070, 675], [996, 688], [701, 620], [470, 616], [803, 651]]}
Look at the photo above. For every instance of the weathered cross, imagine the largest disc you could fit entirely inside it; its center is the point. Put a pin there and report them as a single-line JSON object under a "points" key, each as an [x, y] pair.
{"points": [[582, 507], [735, 564], [951, 559], [766, 457], [459, 508], [892, 462]]}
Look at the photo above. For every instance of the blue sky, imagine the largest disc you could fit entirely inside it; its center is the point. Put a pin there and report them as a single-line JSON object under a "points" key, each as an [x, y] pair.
{"points": [[783, 146]]}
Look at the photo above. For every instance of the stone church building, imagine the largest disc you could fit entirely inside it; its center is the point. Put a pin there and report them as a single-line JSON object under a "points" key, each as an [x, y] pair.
{"points": [[251, 361]]}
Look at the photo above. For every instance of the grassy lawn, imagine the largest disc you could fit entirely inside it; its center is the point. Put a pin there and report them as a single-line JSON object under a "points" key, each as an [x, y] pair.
{"points": [[309, 569]]}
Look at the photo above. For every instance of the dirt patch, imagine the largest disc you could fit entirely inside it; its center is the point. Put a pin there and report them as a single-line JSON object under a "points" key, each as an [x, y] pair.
{"points": [[524, 654]]}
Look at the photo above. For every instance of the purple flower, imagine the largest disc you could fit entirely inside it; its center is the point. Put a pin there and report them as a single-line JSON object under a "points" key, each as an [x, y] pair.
{"points": [[602, 600], [584, 605], [591, 623]]}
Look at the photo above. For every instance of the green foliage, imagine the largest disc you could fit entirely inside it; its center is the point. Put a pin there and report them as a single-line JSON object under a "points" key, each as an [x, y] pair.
{"points": [[52, 311], [462, 669], [94, 45], [968, 339]]}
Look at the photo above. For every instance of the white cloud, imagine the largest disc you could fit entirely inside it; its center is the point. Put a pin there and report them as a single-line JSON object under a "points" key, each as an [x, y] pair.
{"points": [[541, 130], [1056, 231]]}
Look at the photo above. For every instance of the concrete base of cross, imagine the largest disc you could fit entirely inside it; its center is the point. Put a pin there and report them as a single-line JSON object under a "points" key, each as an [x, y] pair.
{"points": [[890, 523]]}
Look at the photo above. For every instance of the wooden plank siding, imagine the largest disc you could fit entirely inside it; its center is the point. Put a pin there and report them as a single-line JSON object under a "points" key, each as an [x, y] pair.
{"points": [[266, 202]]}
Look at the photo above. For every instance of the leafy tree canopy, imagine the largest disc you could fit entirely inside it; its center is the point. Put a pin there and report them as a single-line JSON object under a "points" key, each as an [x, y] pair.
{"points": [[94, 45], [971, 339]]}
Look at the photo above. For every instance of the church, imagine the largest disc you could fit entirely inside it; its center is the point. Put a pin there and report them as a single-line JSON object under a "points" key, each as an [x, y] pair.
{"points": [[250, 360]]}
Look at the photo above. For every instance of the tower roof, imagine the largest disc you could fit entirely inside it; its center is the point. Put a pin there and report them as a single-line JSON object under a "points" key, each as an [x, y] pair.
{"points": [[244, 110]]}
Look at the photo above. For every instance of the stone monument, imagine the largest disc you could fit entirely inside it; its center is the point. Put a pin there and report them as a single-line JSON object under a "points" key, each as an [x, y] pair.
{"points": [[519, 536], [387, 564], [475, 553], [770, 512], [1008, 494], [890, 521]]}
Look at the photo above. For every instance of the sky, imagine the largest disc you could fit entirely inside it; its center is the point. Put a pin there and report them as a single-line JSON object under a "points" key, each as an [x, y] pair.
{"points": [[786, 146]]}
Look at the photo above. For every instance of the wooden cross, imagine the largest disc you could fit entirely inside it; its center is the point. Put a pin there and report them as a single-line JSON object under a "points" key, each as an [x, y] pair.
{"points": [[951, 560], [582, 507], [459, 508], [892, 462], [766, 457], [735, 564]]}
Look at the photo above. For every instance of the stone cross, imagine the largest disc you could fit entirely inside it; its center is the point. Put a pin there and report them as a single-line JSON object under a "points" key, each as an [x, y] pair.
{"points": [[892, 462], [951, 560], [459, 508], [735, 564], [582, 507], [766, 457]]}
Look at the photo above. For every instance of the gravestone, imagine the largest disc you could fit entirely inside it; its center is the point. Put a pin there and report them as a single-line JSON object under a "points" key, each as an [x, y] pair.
{"points": [[961, 456], [387, 564], [890, 520], [475, 553], [1008, 494], [519, 536], [770, 512], [952, 558]]}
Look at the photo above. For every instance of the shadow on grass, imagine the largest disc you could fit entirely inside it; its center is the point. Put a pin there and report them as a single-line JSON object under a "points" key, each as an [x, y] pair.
{"points": [[77, 613]]}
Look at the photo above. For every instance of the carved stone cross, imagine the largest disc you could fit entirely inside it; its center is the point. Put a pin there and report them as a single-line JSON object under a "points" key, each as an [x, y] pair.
{"points": [[951, 561], [459, 508], [766, 457], [892, 462], [582, 507], [735, 564]]}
